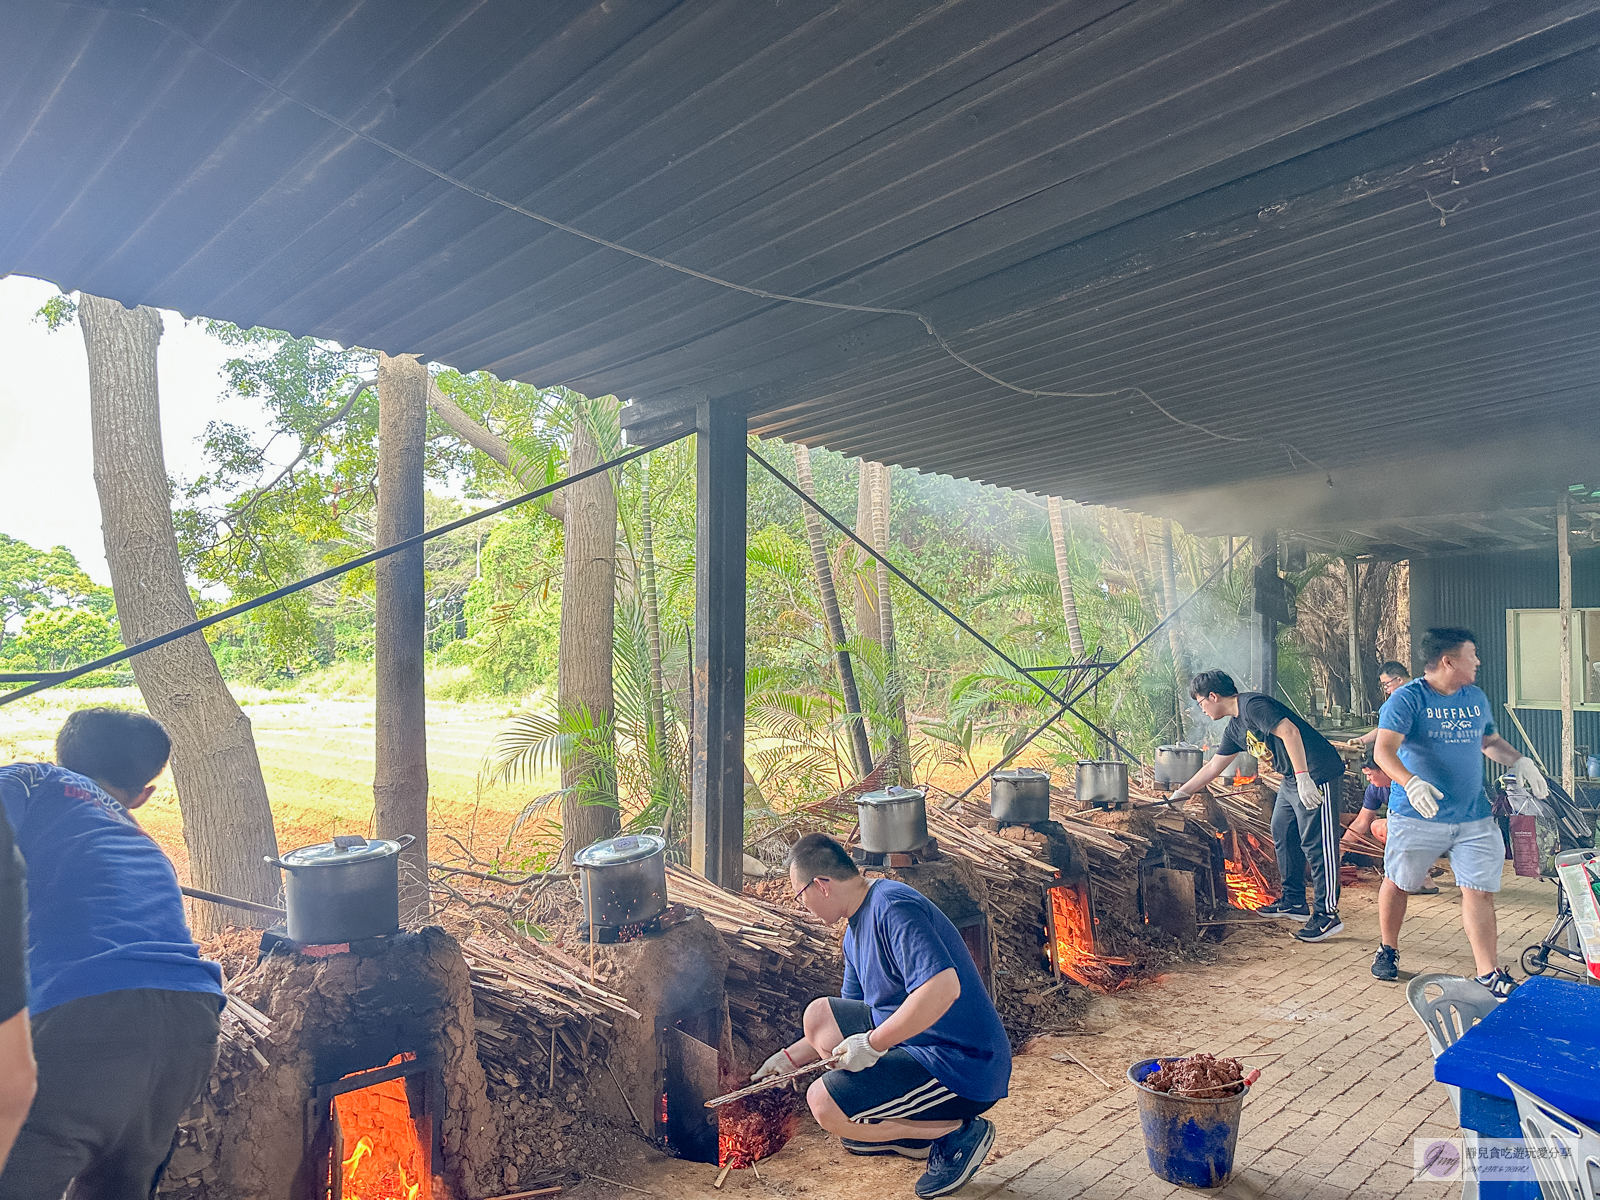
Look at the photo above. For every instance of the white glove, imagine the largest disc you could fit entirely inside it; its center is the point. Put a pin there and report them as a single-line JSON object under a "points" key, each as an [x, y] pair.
{"points": [[1425, 797], [778, 1064], [858, 1053], [1530, 778], [1310, 793]]}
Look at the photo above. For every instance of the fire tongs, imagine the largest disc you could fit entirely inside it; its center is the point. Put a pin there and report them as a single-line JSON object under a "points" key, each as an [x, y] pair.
{"points": [[772, 1081]]}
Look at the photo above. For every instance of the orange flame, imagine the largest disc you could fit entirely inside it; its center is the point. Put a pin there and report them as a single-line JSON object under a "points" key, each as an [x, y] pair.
{"points": [[1247, 883], [1073, 951], [387, 1162]]}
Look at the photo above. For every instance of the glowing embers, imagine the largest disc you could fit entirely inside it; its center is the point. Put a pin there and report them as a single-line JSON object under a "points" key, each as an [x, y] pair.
{"points": [[756, 1127], [1248, 886], [379, 1153], [1071, 946]]}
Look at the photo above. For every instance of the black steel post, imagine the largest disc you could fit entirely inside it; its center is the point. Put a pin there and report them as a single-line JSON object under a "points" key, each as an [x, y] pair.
{"points": [[1263, 625], [717, 788]]}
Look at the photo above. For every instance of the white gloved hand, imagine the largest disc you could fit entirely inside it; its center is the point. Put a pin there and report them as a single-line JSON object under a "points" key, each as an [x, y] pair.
{"points": [[1530, 778], [858, 1053], [778, 1064], [1424, 796], [1310, 793]]}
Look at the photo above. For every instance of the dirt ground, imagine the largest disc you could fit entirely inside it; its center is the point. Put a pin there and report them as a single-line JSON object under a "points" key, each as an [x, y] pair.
{"points": [[1115, 1032]]}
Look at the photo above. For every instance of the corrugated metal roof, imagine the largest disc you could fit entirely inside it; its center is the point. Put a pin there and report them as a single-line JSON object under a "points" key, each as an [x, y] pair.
{"points": [[1342, 232]]}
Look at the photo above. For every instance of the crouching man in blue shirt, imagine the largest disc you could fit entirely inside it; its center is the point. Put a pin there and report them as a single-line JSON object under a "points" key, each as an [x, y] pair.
{"points": [[922, 1049], [1433, 735], [123, 1008]]}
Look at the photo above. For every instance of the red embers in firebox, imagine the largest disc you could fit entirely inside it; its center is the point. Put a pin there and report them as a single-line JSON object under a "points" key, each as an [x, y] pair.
{"points": [[383, 1158]]}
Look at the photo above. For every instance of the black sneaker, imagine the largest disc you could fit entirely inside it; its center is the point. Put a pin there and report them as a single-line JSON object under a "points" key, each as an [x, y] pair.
{"points": [[1499, 983], [1320, 928], [1285, 907], [1386, 964], [904, 1147], [955, 1158]]}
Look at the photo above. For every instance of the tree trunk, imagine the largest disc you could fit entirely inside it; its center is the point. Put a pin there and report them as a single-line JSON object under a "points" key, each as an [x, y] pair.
{"points": [[1069, 604], [490, 443], [1169, 602], [895, 698], [400, 779], [652, 614], [227, 819], [588, 619], [830, 611]]}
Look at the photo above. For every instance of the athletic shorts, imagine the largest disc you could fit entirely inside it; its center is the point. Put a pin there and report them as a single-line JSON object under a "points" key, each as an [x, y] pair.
{"points": [[1477, 852], [896, 1086]]}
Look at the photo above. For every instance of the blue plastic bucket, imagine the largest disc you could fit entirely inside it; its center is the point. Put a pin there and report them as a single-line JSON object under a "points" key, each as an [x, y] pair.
{"points": [[1189, 1140]]}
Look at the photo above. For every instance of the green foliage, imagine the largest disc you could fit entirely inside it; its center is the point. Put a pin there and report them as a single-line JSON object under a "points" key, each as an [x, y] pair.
{"points": [[60, 616], [57, 312]]}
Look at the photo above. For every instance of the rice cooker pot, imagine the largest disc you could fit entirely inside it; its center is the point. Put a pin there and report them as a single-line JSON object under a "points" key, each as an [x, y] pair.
{"points": [[1177, 764], [1103, 783], [623, 880], [343, 890], [892, 821]]}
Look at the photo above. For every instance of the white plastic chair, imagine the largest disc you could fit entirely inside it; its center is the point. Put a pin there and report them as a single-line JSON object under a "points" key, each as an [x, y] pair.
{"points": [[1460, 1004], [1574, 1172]]}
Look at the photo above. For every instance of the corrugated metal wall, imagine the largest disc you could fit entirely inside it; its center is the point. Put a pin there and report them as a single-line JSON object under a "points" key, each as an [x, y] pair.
{"points": [[1475, 590]]}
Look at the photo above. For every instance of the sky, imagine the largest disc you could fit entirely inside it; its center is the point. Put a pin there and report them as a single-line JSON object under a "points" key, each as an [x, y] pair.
{"points": [[47, 495]]}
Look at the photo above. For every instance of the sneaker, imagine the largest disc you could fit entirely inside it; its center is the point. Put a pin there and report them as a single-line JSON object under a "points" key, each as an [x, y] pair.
{"points": [[904, 1147], [1285, 907], [1386, 964], [955, 1158], [1499, 983], [1320, 928]]}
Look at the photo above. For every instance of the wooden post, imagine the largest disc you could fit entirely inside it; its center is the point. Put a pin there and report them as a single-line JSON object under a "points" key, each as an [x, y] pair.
{"points": [[1358, 682], [1564, 560], [717, 788], [400, 777]]}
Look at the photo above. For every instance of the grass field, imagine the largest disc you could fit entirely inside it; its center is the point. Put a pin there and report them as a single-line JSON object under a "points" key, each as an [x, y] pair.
{"points": [[317, 756]]}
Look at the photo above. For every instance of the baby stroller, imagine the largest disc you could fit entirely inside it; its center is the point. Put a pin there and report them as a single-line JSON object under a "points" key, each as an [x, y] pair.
{"points": [[1572, 947]]}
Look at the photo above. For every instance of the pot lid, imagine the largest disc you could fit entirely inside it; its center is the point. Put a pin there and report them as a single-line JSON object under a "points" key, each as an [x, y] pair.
{"points": [[347, 848], [630, 847], [891, 795], [1102, 762], [1181, 746], [1022, 775]]}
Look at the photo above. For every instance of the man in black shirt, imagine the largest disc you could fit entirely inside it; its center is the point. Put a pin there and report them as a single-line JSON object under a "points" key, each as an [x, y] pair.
{"points": [[17, 1071], [1305, 819]]}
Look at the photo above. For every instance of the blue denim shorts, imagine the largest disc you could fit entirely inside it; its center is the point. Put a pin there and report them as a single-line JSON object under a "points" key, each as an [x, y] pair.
{"points": [[1476, 849]]}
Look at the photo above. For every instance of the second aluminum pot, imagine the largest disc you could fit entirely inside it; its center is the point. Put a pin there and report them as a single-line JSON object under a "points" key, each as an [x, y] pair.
{"points": [[343, 890], [1177, 764], [1020, 797], [892, 821], [623, 880], [1103, 783]]}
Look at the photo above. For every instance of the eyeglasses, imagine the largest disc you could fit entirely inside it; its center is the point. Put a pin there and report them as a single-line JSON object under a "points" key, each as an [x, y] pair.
{"points": [[803, 890]]}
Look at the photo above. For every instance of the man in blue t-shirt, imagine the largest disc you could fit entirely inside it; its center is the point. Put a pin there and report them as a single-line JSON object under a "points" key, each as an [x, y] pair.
{"points": [[1433, 734], [124, 1011], [921, 1049]]}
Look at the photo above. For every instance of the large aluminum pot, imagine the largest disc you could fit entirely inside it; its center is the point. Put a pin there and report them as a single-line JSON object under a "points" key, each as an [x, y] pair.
{"points": [[623, 880], [892, 821], [1177, 764], [1020, 797], [1103, 783], [343, 890]]}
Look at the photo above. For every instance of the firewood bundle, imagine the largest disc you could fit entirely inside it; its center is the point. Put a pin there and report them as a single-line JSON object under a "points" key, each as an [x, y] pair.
{"points": [[538, 1019], [778, 960]]}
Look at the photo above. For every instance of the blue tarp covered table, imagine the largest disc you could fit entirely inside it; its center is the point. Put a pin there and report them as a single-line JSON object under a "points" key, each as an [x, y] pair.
{"points": [[1546, 1036]]}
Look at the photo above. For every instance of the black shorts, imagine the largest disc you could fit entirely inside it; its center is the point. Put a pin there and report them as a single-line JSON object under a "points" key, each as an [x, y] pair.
{"points": [[897, 1086]]}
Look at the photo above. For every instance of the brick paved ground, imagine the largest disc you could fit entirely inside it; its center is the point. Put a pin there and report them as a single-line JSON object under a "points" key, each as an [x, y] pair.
{"points": [[1332, 1118]]}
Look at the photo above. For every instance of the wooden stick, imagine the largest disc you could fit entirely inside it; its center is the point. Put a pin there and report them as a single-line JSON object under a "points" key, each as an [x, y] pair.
{"points": [[721, 1175], [552, 1087], [754, 1167], [625, 1186], [1084, 1065], [549, 1191], [772, 1081], [626, 1101]]}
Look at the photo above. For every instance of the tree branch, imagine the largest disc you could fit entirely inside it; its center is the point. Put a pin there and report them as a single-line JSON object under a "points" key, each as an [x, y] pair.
{"points": [[479, 438]]}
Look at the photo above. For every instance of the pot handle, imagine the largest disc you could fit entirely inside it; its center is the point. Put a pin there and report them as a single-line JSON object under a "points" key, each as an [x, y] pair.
{"points": [[278, 862], [653, 829], [404, 840]]}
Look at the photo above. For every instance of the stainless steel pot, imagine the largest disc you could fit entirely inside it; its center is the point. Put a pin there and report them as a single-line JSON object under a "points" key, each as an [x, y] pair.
{"points": [[1103, 783], [623, 880], [1020, 797], [343, 890], [892, 821], [1244, 763], [1177, 764]]}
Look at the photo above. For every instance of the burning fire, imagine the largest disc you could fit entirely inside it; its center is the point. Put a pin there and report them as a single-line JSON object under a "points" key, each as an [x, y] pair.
{"points": [[751, 1129], [1073, 952], [1247, 885], [385, 1160]]}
